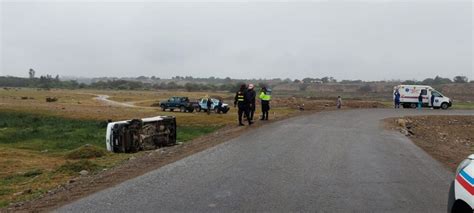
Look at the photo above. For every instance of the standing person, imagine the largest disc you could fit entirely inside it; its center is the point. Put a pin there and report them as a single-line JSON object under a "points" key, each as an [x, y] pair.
{"points": [[339, 102], [420, 101], [251, 96], [432, 99], [219, 106], [209, 105], [397, 99], [241, 100], [265, 98]]}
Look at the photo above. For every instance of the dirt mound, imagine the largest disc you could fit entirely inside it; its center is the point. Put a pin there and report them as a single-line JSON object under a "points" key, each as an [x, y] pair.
{"points": [[449, 139], [86, 152]]}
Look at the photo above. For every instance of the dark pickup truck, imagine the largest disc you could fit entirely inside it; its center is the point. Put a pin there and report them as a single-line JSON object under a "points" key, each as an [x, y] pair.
{"points": [[181, 103]]}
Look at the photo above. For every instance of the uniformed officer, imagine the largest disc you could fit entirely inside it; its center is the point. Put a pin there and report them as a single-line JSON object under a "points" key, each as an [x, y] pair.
{"points": [[241, 100], [265, 97]]}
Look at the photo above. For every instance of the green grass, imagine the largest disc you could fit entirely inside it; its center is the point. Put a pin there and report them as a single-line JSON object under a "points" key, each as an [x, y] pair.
{"points": [[187, 133], [30, 134], [464, 105], [55, 134]]}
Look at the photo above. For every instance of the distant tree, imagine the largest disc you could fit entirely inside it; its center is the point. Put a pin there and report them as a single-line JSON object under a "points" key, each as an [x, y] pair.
{"points": [[172, 85], [325, 79], [142, 78], [460, 79], [31, 73], [410, 82], [296, 81], [441, 80], [428, 81], [307, 80]]}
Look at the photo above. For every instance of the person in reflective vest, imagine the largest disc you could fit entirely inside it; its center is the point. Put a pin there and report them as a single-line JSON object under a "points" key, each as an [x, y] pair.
{"points": [[265, 98], [241, 100]]}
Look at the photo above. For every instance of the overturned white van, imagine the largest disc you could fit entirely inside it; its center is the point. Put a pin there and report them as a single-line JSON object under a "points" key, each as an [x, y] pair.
{"points": [[141, 134], [409, 96]]}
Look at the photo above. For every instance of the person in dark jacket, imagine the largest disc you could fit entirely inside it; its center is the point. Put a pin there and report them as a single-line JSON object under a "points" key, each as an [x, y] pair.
{"points": [[242, 101], [397, 99], [420, 101], [432, 101], [209, 105], [251, 96]]}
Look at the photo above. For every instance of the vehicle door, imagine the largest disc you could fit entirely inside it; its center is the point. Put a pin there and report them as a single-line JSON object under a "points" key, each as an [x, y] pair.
{"points": [[426, 97], [203, 103], [437, 98], [172, 102]]}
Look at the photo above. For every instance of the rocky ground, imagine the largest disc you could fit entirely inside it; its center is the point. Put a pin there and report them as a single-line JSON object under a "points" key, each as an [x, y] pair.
{"points": [[449, 139]]}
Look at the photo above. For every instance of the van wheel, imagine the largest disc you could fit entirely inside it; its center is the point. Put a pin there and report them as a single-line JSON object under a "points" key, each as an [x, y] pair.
{"points": [[198, 109], [413, 105], [182, 109], [444, 105], [163, 108]]}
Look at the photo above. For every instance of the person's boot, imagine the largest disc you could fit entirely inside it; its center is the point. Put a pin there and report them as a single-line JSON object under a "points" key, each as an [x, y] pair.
{"points": [[241, 124]]}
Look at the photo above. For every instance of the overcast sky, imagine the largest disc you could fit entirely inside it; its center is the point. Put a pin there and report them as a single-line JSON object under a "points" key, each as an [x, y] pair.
{"points": [[368, 40]]}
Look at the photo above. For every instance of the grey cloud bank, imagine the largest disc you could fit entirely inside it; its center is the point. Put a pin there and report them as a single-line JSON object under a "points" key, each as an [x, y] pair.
{"points": [[347, 40]]}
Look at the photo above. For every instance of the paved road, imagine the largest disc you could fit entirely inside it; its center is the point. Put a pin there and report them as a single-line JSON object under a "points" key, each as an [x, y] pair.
{"points": [[327, 162]]}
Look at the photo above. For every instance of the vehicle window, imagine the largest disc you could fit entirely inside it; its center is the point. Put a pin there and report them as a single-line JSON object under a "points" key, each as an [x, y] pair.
{"points": [[171, 100], [436, 94], [424, 92]]}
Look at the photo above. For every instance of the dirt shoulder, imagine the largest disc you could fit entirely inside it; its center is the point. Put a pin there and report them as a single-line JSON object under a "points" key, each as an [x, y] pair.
{"points": [[449, 139]]}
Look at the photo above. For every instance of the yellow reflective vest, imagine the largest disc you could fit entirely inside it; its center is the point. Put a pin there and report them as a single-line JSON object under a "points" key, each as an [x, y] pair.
{"points": [[265, 97]]}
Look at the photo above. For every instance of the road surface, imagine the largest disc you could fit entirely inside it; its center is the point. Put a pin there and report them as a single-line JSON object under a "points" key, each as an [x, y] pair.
{"points": [[340, 161]]}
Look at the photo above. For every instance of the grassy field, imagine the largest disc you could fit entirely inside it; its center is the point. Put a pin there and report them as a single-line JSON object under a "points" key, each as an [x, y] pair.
{"points": [[38, 138], [36, 151]]}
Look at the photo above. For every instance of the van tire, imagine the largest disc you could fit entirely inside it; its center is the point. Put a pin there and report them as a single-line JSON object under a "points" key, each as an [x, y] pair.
{"points": [[182, 109], [413, 105], [444, 105]]}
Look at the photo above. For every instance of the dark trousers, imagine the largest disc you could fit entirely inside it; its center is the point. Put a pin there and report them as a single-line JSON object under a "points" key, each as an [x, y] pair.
{"points": [[242, 110], [251, 112], [265, 109]]}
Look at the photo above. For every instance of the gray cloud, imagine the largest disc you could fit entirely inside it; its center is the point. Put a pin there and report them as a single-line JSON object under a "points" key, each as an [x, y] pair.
{"points": [[371, 40]]}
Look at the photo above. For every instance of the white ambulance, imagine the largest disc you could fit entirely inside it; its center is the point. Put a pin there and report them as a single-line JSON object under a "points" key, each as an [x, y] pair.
{"points": [[409, 96], [461, 193]]}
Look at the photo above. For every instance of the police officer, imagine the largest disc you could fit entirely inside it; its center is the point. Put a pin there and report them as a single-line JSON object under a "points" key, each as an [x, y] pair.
{"points": [[251, 96], [242, 101], [265, 98]]}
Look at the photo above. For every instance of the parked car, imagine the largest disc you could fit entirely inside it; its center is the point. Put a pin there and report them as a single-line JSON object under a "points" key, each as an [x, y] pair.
{"points": [[224, 108], [409, 96], [181, 103], [461, 192], [140, 134]]}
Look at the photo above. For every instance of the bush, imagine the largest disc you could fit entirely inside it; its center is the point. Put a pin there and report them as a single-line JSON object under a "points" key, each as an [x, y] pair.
{"points": [[86, 152]]}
